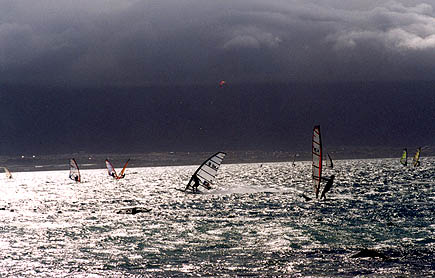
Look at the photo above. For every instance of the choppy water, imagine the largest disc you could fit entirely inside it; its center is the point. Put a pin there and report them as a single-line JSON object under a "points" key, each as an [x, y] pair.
{"points": [[254, 223]]}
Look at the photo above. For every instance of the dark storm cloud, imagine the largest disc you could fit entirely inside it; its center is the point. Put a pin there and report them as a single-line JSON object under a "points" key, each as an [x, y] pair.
{"points": [[154, 42]]}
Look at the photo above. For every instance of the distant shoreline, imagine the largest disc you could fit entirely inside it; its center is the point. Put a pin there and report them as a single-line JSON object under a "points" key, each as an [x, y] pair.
{"points": [[160, 159]]}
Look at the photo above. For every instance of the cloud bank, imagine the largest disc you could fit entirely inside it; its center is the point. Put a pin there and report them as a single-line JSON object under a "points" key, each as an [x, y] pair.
{"points": [[191, 41]]}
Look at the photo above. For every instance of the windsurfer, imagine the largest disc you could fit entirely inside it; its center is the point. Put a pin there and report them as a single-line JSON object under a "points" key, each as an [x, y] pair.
{"points": [[74, 177], [195, 185], [328, 186]]}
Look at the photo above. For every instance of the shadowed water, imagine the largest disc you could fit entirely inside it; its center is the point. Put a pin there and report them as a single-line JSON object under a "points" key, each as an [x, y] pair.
{"points": [[253, 223]]}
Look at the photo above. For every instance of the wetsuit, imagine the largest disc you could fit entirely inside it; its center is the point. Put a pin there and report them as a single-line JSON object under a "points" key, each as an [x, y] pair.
{"points": [[327, 187], [195, 185]]}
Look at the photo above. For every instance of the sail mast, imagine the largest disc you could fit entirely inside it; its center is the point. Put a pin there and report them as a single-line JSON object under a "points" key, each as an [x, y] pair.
{"points": [[316, 159]]}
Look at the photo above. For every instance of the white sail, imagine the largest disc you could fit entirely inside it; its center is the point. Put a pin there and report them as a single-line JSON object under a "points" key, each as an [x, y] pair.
{"points": [[74, 172], [8, 173], [208, 169], [110, 169], [317, 159]]}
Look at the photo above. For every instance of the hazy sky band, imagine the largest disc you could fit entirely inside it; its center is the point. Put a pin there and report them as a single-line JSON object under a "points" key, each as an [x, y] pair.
{"points": [[184, 42]]}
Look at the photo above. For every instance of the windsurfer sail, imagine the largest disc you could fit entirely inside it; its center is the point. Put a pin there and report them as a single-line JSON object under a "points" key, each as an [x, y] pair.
{"points": [[111, 170], [317, 165], [316, 159], [206, 173], [74, 172], [329, 162], [122, 174], [8, 173], [416, 160], [404, 158]]}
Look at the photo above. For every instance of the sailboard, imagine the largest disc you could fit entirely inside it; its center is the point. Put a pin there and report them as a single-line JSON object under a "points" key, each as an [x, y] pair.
{"points": [[207, 171], [404, 158], [416, 159], [316, 159], [74, 172], [121, 174], [329, 162], [8, 173], [110, 169]]}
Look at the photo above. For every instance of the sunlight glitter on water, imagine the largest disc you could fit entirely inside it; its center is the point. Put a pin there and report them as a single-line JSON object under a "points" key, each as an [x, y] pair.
{"points": [[253, 222]]}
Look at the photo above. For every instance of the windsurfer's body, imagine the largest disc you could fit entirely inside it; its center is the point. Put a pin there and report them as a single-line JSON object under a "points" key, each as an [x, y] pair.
{"points": [[328, 186], [74, 177], [195, 184]]}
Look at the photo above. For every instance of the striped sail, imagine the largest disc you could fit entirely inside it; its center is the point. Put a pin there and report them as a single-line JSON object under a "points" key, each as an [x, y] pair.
{"points": [[404, 158], [74, 172], [317, 159], [208, 169]]}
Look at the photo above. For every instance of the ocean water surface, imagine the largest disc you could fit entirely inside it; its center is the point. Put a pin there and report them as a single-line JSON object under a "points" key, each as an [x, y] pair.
{"points": [[253, 223]]}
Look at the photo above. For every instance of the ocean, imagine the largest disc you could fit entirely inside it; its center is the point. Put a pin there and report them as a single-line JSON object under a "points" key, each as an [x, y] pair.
{"points": [[254, 222]]}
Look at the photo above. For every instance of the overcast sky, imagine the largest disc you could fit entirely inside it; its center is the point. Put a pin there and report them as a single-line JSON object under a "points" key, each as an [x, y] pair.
{"points": [[132, 42]]}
